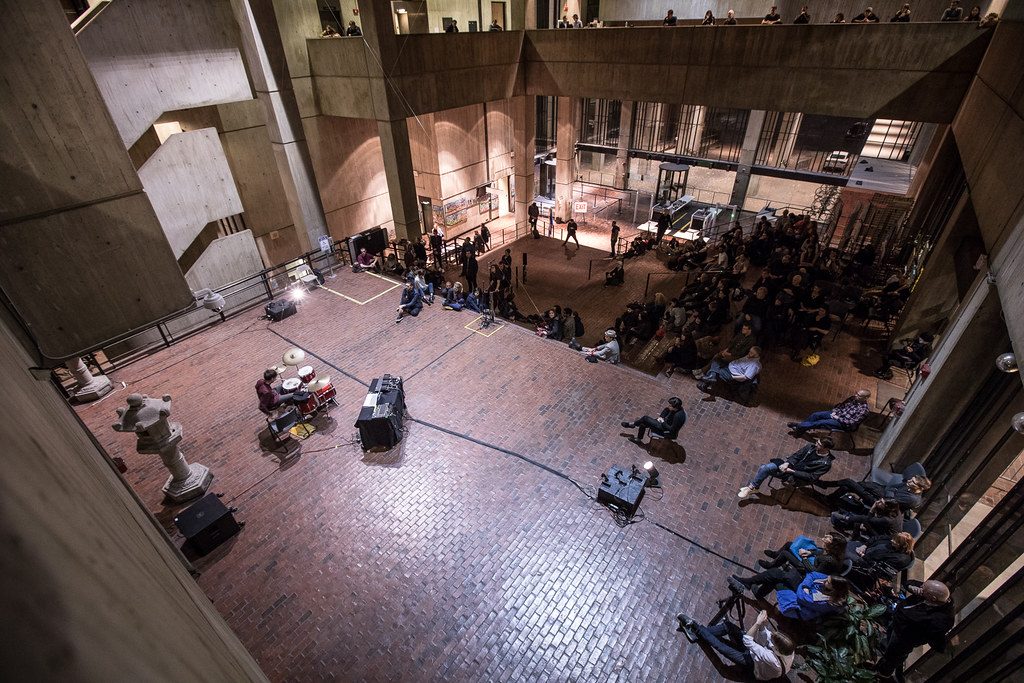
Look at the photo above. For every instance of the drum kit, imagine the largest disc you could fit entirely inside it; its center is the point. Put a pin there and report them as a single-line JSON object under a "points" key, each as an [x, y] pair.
{"points": [[311, 394]]}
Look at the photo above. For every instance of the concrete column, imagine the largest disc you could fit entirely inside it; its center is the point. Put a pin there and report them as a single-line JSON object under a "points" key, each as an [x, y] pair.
{"points": [[522, 15], [398, 169], [692, 130], [622, 156], [265, 56], [89, 386], [524, 125], [565, 157], [747, 153], [391, 113], [789, 127]]}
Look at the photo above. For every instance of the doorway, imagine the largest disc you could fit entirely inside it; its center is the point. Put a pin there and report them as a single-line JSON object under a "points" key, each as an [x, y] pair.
{"points": [[498, 13]]}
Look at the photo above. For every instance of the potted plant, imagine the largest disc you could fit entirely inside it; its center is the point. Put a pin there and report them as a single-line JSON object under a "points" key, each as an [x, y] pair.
{"points": [[845, 643]]}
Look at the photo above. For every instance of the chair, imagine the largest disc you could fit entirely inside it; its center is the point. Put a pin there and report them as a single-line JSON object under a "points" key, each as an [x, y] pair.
{"points": [[797, 483], [279, 426], [838, 312], [847, 430]]}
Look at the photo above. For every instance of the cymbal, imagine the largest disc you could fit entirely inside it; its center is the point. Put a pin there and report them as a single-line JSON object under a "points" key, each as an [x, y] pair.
{"points": [[293, 356], [318, 384], [279, 369]]}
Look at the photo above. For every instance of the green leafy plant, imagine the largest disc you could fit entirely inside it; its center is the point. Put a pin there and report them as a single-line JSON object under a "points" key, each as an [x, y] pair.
{"points": [[845, 642]]}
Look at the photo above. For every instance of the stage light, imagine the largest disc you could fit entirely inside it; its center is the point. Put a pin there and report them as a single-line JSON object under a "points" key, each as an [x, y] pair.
{"points": [[652, 475], [1007, 362]]}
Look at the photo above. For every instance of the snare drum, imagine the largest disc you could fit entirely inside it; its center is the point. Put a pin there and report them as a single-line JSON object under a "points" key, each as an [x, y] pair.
{"points": [[291, 385], [307, 374]]}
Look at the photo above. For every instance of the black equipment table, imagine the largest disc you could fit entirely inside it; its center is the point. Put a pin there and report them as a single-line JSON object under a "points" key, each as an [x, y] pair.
{"points": [[380, 421]]}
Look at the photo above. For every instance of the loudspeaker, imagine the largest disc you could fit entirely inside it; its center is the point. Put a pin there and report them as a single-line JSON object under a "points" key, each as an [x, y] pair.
{"points": [[621, 489], [279, 309], [375, 240], [207, 524]]}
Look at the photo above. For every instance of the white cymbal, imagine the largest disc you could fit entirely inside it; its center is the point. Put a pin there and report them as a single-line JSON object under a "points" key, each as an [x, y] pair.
{"points": [[293, 356], [318, 384]]}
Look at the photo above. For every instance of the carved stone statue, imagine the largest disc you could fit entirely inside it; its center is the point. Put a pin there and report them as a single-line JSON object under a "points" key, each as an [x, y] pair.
{"points": [[147, 418]]}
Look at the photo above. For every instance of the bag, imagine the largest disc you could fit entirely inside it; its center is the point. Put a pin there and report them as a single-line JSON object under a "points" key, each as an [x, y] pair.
{"points": [[810, 360], [591, 359]]}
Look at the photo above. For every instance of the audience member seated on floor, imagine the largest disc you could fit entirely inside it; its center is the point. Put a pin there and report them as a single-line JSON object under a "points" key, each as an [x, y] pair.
{"points": [[392, 266], [682, 354], [474, 301], [572, 326], [411, 303], [908, 355], [863, 494], [551, 327], [422, 286], [366, 261], [666, 425], [805, 466], [761, 652], [883, 519], [608, 351], [896, 551], [828, 556], [736, 372], [615, 277], [925, 616], [453, 299], [270, 397], [844, 416]]}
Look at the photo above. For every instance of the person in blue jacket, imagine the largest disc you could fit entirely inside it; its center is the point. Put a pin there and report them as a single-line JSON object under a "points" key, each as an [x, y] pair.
{"points": [[412, 302], [818, 595]]}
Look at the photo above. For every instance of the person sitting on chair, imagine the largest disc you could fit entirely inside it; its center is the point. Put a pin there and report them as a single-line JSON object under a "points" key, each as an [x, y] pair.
{"points": [[906, 493], [845, 416], [829, 558], [761, 652], [270, 397], [667, 425], [907, 356], [735, 372], [803, 467]]}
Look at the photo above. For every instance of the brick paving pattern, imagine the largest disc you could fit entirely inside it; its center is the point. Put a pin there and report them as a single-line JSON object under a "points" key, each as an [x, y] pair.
{"points": [[474, 550]]}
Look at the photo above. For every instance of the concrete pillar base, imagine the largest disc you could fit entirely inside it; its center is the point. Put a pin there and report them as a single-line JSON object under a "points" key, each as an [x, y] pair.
{"points": [[97, 388], [195, 485]]}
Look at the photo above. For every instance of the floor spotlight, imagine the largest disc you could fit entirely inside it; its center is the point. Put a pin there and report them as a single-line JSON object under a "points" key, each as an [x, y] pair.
{"points": [[652, 475]]}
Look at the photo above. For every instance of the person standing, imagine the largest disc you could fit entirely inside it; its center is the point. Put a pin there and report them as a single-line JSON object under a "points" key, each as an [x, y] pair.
{"points": [[615, 238], [485, 237], [452, 27], [924, 616], [570, 233], [903, 16], [670, 19], [472, 268], [730, 18], [551, 222], [663, 226], [353, 30], [533, 211]]}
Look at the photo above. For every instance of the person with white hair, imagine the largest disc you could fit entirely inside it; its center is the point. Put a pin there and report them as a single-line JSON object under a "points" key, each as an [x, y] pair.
{"points": [[608, 351]]}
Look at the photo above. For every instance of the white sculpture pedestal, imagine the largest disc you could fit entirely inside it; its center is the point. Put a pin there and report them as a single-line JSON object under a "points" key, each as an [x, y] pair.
{"points": [[147, 417], [90, 387]]}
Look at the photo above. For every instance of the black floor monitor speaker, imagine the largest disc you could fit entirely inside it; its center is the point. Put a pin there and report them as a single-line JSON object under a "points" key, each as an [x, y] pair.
{"points": [[279, 309], [380, 421], [375, 240], [207, 524], [621, 488]]}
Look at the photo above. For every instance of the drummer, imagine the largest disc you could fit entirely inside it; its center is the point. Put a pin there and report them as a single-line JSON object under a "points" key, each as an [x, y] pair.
{"points": [[270, 397]]}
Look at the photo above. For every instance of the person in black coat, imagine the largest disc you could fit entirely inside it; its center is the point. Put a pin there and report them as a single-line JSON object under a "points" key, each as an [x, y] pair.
{"points": [[896, 551], [924, 616], [803, 467], [472, 268], [667, 425]]}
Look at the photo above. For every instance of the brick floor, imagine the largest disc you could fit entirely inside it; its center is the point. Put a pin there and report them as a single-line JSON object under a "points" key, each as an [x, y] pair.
{"points": [[474, 550]]}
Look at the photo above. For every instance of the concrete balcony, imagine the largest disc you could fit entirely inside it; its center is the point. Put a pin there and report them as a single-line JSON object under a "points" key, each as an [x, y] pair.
{"points": [[916, 72]]}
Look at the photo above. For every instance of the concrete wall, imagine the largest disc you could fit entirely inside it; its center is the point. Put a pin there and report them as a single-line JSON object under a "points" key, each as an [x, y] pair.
{"points": [[461, 153], [821, 11], [910, 72], [190, 185], [92, 591], [149, 56], [71, 196], [989, 132], [349, 169]]}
